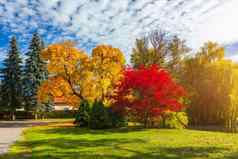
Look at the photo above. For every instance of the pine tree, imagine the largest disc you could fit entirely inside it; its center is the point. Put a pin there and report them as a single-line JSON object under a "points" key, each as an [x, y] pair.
{"points": [[12, 80], [34, 73]]}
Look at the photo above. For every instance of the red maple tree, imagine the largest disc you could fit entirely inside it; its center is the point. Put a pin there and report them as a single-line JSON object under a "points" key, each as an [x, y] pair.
{"points": [[147, 92]]}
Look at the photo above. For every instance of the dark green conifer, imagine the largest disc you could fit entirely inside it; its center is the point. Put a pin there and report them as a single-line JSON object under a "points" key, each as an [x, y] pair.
{"points": [[12, 80]]}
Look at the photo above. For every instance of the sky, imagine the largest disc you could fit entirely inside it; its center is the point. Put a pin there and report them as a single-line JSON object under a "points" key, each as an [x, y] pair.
{"points": [[119, 22]]}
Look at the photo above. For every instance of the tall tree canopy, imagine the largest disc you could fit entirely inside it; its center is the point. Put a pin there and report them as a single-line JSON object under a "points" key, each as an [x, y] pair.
{"points": [[107, 65], [12, 79], [211, 83], [69, 73], [77, 76]]}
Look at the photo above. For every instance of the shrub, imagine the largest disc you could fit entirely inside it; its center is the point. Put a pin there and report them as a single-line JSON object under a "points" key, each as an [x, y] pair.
{"points": [[117, 119], [175, 120], [102, 117], [99, 116], [83, 114]]}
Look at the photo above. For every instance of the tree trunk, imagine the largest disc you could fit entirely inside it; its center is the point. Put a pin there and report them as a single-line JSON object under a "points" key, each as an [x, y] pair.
{"points": [[146, 119], [13, 116], [36, 116], [163, 120]]}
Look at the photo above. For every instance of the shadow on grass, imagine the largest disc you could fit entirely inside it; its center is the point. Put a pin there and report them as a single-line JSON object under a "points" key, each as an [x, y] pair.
{"points": [[83, 131], [110, 147], [64, 144], [213, 128], [160, 153]]}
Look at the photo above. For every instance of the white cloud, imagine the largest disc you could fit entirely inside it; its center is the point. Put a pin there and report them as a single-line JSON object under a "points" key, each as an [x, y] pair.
{"points": [[119, 23], [220, 25]]}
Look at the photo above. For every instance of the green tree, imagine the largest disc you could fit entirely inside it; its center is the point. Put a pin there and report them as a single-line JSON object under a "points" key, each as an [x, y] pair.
{"points": [[167, 52], [83, 114], [12, 79], [140, 53], [34, 73], [178, 50]]}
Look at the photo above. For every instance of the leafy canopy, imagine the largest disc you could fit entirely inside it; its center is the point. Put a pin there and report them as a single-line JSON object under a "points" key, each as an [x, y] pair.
{"points": [[147, 92], [77, 76]]}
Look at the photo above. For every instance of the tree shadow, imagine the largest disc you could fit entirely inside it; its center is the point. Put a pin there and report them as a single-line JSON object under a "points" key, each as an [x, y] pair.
{"points": [[62, 143], [159, 153], [83, 131], [213, 128], [109, 146]]}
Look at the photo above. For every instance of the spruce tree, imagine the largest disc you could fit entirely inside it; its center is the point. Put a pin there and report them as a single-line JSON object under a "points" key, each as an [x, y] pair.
{"points": [[12, 80], [34, 73]]}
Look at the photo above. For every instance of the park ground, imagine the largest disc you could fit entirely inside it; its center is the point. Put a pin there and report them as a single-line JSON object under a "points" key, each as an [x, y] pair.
{"points": [[64, 141]]}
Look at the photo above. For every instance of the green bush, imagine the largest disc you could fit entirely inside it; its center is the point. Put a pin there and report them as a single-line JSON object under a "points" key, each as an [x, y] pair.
{"points": [[99, 116], [83, 114], [175, 120], [102, 117], [117, 119]]}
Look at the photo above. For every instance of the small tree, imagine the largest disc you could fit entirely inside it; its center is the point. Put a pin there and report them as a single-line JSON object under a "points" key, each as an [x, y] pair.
{"points": [[147, 93], [83, 116]]}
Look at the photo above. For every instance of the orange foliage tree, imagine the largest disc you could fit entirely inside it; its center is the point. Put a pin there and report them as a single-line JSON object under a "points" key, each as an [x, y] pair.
{"points": [[77, 76]]}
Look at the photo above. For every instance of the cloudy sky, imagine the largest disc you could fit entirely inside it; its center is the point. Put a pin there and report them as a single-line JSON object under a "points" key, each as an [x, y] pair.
{"points": [[119, 22]]}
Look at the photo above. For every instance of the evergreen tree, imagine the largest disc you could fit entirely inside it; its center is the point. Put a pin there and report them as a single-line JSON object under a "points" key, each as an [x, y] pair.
{"points": [[34, 73], [12, 79]]}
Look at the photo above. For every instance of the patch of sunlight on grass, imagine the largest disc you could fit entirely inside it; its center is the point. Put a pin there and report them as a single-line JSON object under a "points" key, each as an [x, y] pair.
{"points": [[68, 142]]}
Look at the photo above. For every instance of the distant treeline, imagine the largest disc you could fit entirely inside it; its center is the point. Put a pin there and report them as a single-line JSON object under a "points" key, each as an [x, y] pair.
{"points": [[211, 81]]}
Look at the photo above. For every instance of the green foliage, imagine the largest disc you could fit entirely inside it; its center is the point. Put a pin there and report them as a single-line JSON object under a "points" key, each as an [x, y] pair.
{"points": [[99, 116], [142, 54], [102, 117], [11, 87], [117, 119], [34, 73], [167, 52], [175, 120], [83, 114], [41, 108]]}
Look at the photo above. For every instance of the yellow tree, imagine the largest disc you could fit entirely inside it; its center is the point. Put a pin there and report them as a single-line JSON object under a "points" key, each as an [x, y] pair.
{"points": [[210, 52], [212, 84], [76, 76], [107, 66], [69, 73]]}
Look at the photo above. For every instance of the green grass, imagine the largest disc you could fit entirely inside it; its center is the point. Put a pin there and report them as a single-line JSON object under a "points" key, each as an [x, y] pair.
{"points": [[77, 143]]}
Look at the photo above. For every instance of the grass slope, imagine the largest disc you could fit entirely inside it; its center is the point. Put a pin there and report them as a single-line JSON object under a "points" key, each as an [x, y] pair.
{"points": [[77, 143]]}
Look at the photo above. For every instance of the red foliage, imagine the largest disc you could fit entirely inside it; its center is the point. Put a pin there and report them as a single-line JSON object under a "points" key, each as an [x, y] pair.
{"points": [[149, 91]]}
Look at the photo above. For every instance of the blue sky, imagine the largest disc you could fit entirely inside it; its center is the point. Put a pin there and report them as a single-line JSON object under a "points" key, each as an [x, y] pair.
{"points": [[119, 22]]}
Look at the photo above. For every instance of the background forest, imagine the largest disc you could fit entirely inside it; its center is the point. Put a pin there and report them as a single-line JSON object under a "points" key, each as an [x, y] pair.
{"points": [[175, 87]]}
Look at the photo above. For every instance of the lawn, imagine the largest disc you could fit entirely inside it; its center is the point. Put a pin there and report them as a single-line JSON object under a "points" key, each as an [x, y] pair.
{"points": [[62, 142]]}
